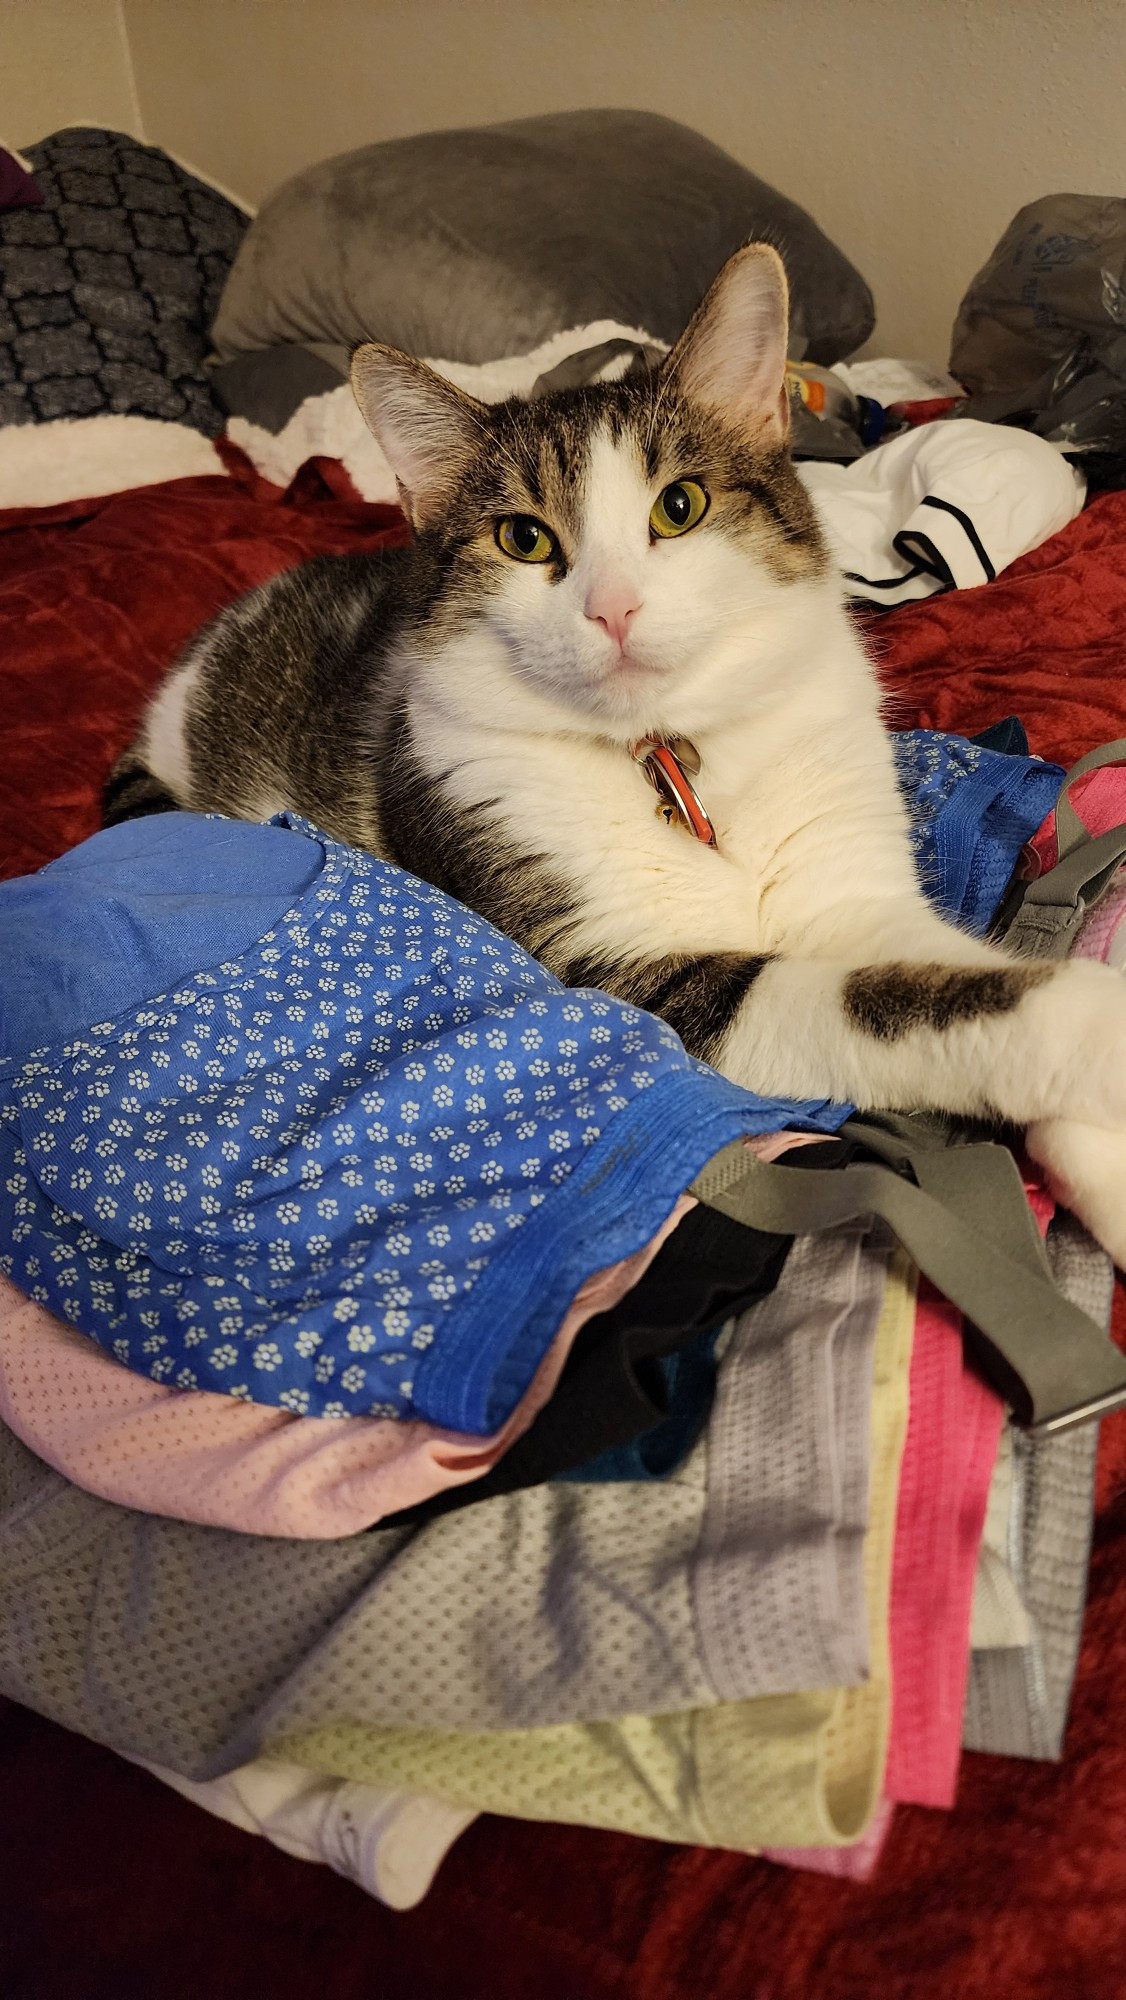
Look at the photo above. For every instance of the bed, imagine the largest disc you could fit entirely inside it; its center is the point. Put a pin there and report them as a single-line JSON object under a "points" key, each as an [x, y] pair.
{"points": [[107, 1875], [1018, 1891]]}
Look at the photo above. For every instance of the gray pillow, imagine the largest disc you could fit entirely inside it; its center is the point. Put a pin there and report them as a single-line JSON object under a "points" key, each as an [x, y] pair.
{"points": [[478, 244]]}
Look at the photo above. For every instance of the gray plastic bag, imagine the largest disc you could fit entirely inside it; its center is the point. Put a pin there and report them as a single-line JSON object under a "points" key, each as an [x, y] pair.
{"points": [[1040, 337]]}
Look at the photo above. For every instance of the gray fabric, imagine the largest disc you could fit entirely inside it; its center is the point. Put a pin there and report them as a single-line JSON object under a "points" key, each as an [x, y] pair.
{"points": [[1000, 1617], [779, 1584], [476, 244], [1017, 1698], [192, 1647]]}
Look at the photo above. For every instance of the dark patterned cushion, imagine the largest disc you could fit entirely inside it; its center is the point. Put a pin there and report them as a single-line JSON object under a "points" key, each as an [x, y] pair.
{"points": [[108, 290]]}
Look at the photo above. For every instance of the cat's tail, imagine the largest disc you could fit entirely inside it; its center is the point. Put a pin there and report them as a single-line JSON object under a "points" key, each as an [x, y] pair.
{"points": [[132, 792]]}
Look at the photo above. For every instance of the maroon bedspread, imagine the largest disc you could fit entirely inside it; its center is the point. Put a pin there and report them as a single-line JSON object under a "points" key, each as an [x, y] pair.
{"points": [[112, 1888]]}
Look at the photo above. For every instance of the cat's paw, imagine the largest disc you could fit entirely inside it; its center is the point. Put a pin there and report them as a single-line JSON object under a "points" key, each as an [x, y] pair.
{"points": [[1077, 1060], [1085, 1167]]}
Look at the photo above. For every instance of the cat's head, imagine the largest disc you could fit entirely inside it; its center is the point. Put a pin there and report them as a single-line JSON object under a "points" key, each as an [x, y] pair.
{"points": [[640, 553]]}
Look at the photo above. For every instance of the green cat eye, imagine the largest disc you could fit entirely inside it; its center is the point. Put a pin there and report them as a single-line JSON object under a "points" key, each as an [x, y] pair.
{"points": [[525, 539], [678, 508]]}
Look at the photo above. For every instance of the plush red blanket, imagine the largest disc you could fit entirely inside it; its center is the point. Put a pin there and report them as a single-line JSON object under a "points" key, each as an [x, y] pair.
{"points": [[111, 1886]]}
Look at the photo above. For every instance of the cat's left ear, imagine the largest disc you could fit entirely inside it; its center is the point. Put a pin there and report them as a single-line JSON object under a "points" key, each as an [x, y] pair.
{"points": [[428, 430], [732, 354]]}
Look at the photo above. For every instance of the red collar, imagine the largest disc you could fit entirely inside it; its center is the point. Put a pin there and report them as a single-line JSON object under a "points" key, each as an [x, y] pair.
{"points": [[667, 769]]}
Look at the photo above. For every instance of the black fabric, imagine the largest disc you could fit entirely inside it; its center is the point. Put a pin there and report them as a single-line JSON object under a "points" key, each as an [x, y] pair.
{"points": [[267, 388], [1009, 736], [107, 290]]}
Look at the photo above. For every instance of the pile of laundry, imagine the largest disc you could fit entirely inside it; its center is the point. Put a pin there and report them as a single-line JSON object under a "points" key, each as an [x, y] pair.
{"points": [[425, 1389]]}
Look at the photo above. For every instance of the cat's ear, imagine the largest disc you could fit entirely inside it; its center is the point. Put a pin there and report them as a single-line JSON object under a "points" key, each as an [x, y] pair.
{"points": [[732, 354], [428, 430]]}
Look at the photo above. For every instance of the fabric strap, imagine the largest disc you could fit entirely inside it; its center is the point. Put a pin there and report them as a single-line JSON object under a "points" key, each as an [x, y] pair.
{"points": [[1054, 906], [963, 1216]]}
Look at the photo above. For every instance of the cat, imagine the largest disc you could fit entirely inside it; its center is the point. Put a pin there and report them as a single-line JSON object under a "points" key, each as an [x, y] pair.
{"points": [[617, 568]]}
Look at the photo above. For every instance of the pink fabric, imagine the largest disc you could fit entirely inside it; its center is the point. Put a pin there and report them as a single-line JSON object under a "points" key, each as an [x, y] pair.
{"points": [[953, 1431], [849, 1864], [771, 1145], [1098, 931], [1099, 798], [217, 1460]]}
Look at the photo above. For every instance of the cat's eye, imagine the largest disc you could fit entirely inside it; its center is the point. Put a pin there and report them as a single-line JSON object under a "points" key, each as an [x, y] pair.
{"points": [[525, 539], [678, 508]]}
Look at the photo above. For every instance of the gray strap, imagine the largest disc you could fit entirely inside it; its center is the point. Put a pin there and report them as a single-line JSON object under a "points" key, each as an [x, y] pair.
{"points": [[979, 1183], [1050, 1362], [1055, 904]]}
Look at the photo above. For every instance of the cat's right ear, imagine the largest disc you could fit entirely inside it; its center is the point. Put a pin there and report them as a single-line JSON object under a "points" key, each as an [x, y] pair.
{"points": [[428, 430], [732, 354]]}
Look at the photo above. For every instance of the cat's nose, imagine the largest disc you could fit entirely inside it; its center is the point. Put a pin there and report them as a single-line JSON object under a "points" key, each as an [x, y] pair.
{"points": [[613, 609]]}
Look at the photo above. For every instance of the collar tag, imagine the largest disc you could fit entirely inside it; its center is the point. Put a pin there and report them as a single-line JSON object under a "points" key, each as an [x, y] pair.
{"points": [[667, 770]]}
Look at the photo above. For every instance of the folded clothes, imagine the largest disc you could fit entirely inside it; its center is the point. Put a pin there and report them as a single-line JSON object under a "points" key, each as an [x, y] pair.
{"points": [[194, 1647], [224, 1462], [1018, 1696], [786, 1771], [359, 1167]]}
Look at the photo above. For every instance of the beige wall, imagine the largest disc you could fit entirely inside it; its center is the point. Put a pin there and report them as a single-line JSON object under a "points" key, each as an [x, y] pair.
{"points": [[64, 62], [911, 128]]}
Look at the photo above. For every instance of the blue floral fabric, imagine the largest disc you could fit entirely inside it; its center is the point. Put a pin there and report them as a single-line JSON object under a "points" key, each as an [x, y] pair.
{"points": [[972, 809], [281, 1121], [359, 1168]]}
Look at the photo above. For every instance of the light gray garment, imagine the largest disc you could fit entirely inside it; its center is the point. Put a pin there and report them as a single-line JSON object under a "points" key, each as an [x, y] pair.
{"points": [[1000, 1617], [779, 1582], [1017, 1697], [191, 1647]]}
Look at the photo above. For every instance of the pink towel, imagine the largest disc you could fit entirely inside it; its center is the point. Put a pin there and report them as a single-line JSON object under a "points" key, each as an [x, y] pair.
{"points": [[230, 1464]]}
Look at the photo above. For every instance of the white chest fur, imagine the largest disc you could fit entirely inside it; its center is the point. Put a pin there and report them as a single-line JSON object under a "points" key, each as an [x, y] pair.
{"points": [[803, 800]]}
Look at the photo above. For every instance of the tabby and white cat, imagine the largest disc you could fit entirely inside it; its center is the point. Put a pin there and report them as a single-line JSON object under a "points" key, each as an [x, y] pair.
{"points": [[638, 560]]}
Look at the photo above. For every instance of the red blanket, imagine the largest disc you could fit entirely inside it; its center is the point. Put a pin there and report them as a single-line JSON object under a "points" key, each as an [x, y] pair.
{"points": [[111, 1885]]}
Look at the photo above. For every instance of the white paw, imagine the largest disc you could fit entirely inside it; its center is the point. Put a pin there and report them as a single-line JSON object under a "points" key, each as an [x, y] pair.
{"points": [[1085, 1168], [1077, 1065]]}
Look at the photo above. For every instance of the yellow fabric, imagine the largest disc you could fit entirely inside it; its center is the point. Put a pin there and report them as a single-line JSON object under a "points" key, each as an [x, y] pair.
{"points": [[800, 1770]]}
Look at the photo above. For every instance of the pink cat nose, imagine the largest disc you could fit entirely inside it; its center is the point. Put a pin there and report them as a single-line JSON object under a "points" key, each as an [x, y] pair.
{"points": [[612, 609]]}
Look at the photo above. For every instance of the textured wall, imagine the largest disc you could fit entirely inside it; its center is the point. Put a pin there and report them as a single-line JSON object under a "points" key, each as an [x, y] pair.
{"points": [[911, 128], [64, 62]]}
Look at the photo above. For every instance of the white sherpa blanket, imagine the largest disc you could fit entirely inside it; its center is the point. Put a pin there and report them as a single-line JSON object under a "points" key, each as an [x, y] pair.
{"points": [[331, 426], [83, 458]]}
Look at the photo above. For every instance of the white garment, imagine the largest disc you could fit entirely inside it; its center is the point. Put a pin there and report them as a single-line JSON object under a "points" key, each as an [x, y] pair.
{"points": [[390, 1843], [943, 507]]}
